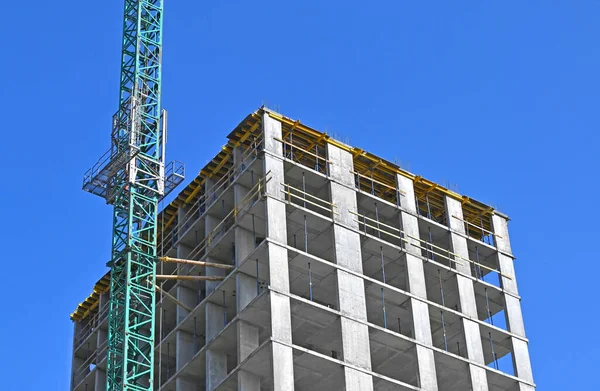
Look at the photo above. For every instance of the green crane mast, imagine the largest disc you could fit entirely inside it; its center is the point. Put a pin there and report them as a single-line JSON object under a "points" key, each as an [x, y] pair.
{"points": [[132, 176]]}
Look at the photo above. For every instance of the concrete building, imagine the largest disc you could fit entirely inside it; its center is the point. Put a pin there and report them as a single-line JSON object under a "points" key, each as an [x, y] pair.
{"points": [[345, 272]]}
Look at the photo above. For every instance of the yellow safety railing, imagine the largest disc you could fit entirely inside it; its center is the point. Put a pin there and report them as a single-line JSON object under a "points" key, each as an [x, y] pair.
{"points": [[239, 211], [429, 247], [207, 200], [91, 325], [377, 188], [484, 232], [302, 157], [84, 369], [292, 193]]}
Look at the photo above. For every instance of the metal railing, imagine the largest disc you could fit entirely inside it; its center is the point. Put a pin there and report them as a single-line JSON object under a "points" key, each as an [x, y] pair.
{"points": [[377, 188], [91, 326], [303, 156], [428, 247], [201, 250], [303, 199], [486, 236], [205, 201], [174, 175], [89, 364]]}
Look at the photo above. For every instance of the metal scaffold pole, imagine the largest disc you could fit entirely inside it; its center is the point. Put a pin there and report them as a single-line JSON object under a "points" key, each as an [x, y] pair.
{"points": [[133, 178]]}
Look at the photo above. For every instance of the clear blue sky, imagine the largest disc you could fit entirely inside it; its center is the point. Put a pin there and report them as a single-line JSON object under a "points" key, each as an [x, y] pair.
{"points": [[499, 97]]}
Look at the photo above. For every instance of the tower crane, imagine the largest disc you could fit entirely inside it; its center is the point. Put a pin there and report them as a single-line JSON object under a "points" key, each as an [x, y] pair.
{"points": [[133, 178]]}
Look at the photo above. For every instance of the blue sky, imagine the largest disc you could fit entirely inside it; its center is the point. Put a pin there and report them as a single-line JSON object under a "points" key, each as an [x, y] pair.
{"points": [[499, 98]]}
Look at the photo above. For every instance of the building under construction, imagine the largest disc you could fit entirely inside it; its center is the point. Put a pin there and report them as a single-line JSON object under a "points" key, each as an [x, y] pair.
{"points": [[296, 262]]}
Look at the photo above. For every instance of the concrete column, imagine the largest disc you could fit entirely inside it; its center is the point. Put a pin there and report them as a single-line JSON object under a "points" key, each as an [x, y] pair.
{"points": [[213, 271], [100, 380], [247, 335], [210, 222], [104, 299], [75, 362], [184, 351], [101, 338], [416, 285], [183, 252], [247, 343], [187, 297], [216, 368], [506, 264], [209, 186], [351, 289], [216, 361], [281, 320], [514, 315], [248, 381], [466, 293], [78, 374], [184, 343], [238, 162]]}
